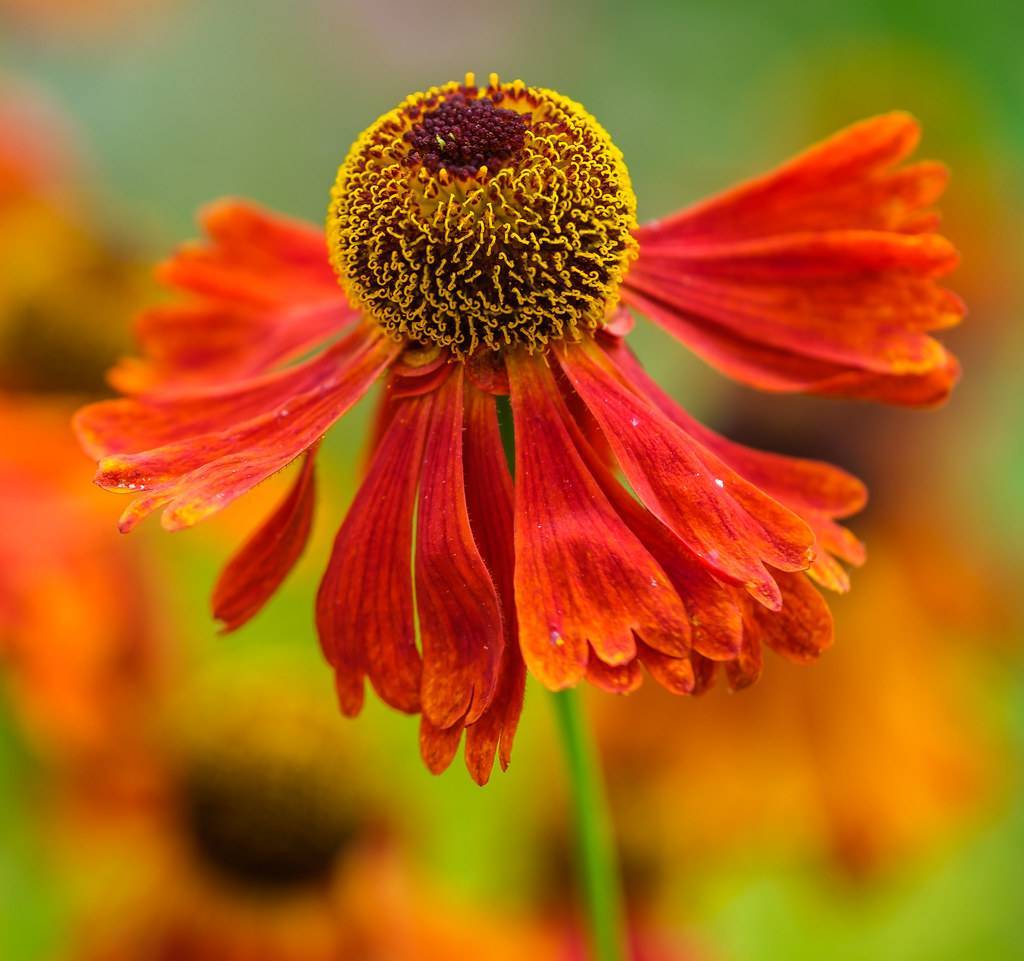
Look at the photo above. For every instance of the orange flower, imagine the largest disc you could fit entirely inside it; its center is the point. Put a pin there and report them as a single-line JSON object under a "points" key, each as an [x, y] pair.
{"points": [[64, 281], [76, 639], [486, 243], [248, 839]]}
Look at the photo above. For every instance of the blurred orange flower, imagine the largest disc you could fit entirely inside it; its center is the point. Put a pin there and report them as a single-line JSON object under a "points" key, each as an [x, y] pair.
{"points": [[244, 837], [67, 286], [78, 638]]}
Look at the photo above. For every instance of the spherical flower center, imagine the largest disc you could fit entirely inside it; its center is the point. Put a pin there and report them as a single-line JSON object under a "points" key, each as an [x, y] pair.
{"points": [[492, 217]]}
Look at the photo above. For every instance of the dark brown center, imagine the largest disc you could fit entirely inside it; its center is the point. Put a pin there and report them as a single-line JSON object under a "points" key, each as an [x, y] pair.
{"points": [[264, 830], [463, 135]]}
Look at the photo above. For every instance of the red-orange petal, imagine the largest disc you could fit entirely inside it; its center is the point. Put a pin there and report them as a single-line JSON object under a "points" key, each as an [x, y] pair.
{"points": [[197, 343], [675, 674], [438, 745], [204, 473], [818, 277], [459, 611], [731, 526], [621, 679], [489, 496], [581, 574], [714, 613], [817, 491], [364, 610], [131, 425], [255, 256], [845, 181], [257, 570], [802, 629]]}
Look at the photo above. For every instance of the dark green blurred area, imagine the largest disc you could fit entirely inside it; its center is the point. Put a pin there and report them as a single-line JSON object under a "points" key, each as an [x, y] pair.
{"points": [[195, 100]]}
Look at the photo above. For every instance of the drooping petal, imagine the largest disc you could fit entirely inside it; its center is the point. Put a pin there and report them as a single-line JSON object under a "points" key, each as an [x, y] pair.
{"points": [[438, 745], [620, 679], [130, 425], [746, 668], [196, 343], [771, 369], [714, 613], [364, 610], [819, 277], [581, 574], [489, 497], [731, 526], [253, 575], [204, 473], [817, 491], [856, 299], [802, 629], [675, 674], [459, 612]]}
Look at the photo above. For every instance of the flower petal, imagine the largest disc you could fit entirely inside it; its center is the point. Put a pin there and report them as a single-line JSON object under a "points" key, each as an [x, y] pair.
{"points": [[256, 256], [581, 574], [818, 277], [621, 679], [817, 491], [802, 629], [768, 368], [364, 610], [438, 745], [675, 674], [844, 181], [204, 473], [197, 343], [131, 425], [858, 299], [262, 293], [459, 612], [714, 612], [489, 497], [730, 525], [253, 575]]}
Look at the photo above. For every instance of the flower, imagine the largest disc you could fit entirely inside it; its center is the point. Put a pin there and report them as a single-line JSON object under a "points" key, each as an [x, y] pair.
{"points": [[486, 245], [67, 286], [73, 667], [241, 834]]}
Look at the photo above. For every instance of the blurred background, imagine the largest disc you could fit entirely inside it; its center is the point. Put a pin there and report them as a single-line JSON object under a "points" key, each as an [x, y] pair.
{"points": [[167, 793]]}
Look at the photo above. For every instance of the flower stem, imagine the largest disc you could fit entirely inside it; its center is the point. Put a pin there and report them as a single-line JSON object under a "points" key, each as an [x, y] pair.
{"points": [[594, 837]]}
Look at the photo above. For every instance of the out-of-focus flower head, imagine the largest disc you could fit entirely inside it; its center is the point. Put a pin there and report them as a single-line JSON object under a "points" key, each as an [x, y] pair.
{"points": [[67, 286], [254, 838], [486, 244], [79, 637]]}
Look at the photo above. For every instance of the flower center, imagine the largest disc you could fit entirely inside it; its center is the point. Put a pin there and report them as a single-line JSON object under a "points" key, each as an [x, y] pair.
{"points": [[493, 217], [463, 135], [263, 794], [263, 829]]}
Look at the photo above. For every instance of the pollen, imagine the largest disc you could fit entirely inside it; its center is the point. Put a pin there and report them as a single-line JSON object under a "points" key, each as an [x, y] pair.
{"points": [[483, 218]]}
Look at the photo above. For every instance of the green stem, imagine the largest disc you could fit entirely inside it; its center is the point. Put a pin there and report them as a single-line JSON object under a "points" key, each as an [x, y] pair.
{"points": [[594, 837]]}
